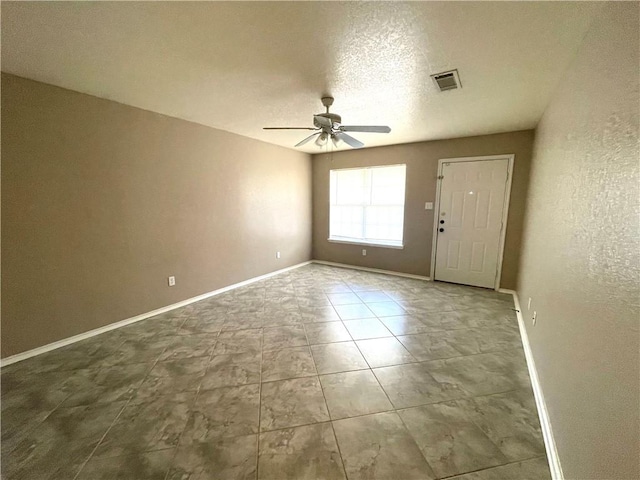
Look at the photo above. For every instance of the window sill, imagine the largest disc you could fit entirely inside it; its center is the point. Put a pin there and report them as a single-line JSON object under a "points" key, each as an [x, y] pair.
{"points": [[364, 243]]}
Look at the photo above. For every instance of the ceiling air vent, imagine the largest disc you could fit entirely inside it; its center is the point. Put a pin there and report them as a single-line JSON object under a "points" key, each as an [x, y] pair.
{"points": [[447, 80]]}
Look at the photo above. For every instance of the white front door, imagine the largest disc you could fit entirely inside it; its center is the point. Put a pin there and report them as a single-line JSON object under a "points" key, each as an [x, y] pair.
{"points": [[472, 200]]}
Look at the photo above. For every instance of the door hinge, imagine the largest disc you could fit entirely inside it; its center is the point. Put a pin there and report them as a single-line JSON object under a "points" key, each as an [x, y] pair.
{"points": [[440, 177]]}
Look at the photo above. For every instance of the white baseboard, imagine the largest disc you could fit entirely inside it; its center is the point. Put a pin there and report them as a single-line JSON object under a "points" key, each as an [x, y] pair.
{"points": [[543, 414], [128, 321], [367, 269], [112, 326]]}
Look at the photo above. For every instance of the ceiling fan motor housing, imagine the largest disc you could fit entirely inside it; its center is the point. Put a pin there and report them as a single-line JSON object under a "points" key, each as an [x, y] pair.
{"points": [[333, 117]]}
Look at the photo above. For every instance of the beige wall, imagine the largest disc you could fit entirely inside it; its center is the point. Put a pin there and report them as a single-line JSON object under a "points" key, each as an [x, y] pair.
{"points": [[101, 202], [422, 169], [580, 261]]}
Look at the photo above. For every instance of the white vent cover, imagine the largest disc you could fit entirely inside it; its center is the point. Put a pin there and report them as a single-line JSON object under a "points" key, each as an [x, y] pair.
{"points": [[447, 80]]}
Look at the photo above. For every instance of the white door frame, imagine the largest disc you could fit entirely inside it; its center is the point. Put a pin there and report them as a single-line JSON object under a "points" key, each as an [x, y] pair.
{"points": [[505, 210]]}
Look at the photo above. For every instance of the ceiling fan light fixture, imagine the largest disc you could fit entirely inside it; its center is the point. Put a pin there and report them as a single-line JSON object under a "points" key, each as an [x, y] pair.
{"points": [[322, 139], [335, 140]]}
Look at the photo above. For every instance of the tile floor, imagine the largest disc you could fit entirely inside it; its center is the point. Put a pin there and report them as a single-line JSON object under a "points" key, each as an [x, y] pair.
{"points": [[317, 373]]}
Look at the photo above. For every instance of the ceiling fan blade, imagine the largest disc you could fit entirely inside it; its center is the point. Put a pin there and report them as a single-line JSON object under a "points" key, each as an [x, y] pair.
{"points": [[299, 144], [349, 140], [289, 128], [365, 128], [322, 121]]}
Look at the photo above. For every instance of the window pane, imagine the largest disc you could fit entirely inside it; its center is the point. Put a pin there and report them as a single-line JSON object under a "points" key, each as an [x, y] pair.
{"points": [[384, 223], [368, 204], [351, 187], [387, 185], [346, 221]]}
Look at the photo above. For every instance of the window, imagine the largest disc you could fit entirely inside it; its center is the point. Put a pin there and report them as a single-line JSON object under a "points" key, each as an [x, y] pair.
{"points": [[367, 205]]}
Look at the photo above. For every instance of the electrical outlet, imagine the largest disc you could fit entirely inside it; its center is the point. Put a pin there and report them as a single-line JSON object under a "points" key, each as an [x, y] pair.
{"points": [[529, 304], [277, 254], [172, 281], [534, 318], [364, 252]]}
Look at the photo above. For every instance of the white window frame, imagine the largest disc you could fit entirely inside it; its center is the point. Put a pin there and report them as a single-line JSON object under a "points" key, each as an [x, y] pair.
{"points": [[365, 241]]}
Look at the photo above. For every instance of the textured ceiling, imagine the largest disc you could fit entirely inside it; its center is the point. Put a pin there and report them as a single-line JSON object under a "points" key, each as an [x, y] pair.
{"points": [[240, 66]]}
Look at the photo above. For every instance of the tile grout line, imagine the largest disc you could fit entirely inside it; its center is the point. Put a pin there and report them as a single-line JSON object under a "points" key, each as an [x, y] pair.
{"points": [[195, 399], [380, 319], [344, 470], [324, 395], [260, 399], [391, 410], [415, 441], [57, 406], [514, 462], [370, 369], [38, 424], [93, 451]]}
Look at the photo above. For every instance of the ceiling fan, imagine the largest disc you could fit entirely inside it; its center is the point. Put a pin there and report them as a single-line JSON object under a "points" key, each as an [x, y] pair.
{"points": [[329, 126]]}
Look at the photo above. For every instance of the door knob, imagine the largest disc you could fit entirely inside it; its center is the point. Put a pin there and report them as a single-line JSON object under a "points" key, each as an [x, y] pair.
{"points": [[441, 230]]}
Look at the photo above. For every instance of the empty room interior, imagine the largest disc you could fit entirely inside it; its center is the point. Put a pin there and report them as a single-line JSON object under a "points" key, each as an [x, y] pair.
{"points": [[320, 240]]}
